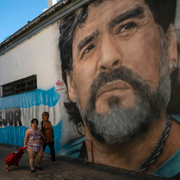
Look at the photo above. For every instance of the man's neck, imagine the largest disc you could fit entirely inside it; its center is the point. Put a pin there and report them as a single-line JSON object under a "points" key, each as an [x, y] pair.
{"points": [[132, 154]]}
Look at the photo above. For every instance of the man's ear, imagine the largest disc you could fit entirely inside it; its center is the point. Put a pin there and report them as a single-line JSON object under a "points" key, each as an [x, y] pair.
{"points": [[70, 85], [172, 48]]}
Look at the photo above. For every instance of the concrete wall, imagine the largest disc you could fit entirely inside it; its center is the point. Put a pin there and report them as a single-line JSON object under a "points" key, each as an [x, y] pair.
{"points": [[38, 55], [117, 100]]}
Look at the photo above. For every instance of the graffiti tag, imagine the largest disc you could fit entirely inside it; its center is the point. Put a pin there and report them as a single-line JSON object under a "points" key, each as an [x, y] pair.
{"points": [[58, 85]]}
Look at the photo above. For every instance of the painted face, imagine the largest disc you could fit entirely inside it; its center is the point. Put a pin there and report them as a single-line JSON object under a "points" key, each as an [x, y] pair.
{"points": [[116, 76], [123, 35]]}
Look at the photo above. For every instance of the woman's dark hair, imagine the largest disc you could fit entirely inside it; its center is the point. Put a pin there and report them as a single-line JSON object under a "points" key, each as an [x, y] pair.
{"points": [[34, 119]]}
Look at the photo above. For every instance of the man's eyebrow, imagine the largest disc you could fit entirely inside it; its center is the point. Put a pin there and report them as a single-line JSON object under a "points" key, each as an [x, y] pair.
{"points": [[87, 40], [137, 11]]}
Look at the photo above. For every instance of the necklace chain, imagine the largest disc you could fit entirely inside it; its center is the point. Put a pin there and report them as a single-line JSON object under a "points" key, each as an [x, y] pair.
{"points": [[152, 158]]}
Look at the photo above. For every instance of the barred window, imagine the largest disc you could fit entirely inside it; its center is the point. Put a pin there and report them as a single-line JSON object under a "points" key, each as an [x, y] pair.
{"points": [[20, 86]]}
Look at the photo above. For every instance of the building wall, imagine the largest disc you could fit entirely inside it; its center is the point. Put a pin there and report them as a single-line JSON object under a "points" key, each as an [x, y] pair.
{"points": [[124, 79], [132, 42], [38, 55]]}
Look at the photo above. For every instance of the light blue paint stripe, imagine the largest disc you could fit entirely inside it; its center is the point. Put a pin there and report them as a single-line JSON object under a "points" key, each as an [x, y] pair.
{"points": [[57, 136], [177, 117], [73, 143], [72, 149], [170, 168], [29, 99], [15, 136], [74, 155]]}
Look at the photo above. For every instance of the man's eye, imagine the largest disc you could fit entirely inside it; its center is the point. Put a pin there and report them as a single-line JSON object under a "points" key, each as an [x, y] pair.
{"points": [[127, 29], [87, 50]]}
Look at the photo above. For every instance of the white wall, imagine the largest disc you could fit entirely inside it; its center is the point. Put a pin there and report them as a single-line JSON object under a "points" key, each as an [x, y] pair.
{"points": [[37, 55]]}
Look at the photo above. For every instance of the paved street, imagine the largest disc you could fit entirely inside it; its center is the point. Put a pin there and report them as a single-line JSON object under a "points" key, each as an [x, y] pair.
{"points": [[68, 169]]}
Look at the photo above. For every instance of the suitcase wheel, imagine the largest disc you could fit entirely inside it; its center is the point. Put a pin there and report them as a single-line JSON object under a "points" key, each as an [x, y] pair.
{"points": [[17, 165], [7, 168]]}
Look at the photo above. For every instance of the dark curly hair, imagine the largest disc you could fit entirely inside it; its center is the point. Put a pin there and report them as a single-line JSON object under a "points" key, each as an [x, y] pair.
{"points": [[162, 10], [33, 120]]}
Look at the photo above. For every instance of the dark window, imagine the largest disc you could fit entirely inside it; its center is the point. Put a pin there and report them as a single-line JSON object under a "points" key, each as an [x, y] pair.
{"points": [[20, 86]]}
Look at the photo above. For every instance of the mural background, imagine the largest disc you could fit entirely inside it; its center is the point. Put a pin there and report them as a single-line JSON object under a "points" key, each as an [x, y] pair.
{"points": [[40, 55], [98, 43]]}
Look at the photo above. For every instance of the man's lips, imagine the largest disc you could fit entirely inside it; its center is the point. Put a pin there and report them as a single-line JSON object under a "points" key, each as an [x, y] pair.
{"points": [[111, 86]]}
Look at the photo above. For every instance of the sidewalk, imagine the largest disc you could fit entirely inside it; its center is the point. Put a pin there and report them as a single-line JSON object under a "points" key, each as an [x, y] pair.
{"points": [[68, 169]]}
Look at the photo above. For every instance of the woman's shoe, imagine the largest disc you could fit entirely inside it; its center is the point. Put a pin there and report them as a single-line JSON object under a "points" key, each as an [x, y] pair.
{"points": [[54, 162], [33, 171], [40, 168]]}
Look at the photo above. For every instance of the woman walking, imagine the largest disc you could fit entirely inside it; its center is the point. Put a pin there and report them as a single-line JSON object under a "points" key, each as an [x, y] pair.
{"points": [[48, 135], [33, 144]]}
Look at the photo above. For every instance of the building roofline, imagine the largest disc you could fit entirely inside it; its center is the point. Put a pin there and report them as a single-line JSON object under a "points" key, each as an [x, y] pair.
{"points": [[56, 12]]}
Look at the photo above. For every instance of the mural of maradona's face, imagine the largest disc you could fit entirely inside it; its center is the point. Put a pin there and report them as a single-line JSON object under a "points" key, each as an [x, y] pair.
{"points": [[117, 78]]}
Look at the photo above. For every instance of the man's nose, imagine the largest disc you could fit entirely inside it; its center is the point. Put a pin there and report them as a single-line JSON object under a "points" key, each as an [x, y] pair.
{"points": [[111, 58]]}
